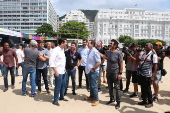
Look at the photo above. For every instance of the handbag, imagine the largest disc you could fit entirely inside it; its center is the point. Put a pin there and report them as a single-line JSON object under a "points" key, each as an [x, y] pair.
{"points": [[163, 72]]}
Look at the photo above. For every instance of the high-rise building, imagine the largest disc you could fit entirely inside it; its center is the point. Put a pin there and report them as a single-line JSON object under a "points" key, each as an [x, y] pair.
{"points": [[134, 22], [26, 16]]}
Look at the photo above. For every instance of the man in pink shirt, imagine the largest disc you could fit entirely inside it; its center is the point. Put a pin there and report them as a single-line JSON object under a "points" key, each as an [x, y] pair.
{"points": [[8, 64]]}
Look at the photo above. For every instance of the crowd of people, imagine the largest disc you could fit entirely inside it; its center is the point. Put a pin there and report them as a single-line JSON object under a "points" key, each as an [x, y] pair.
{"points": [[61, 62]]}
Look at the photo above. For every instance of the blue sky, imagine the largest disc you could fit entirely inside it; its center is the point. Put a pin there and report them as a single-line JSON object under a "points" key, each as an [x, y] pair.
{"points": [[65, 6]]}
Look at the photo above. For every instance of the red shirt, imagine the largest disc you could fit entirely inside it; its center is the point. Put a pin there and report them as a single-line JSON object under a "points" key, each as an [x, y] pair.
{"points": [[8, 57]]}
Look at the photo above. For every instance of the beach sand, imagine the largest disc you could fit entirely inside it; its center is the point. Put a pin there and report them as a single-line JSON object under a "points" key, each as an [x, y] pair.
{"points": [[12, 101]]}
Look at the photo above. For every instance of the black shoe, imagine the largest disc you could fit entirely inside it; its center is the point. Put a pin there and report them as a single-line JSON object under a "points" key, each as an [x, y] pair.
{"points": [[56, 103], [133, 95], [111, 101], [79, 87], [142, 103], [155, 99], [117, 105], [148, 105], [74, 93], [63, 99], [125, 90], [99, 89]]}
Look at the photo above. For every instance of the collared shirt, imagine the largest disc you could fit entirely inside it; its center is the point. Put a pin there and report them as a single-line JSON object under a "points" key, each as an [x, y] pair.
{"points": [[42, 64], [58, 60], [50, 51], [9, 57], [20, 55], [84, 51], [92, 59]]}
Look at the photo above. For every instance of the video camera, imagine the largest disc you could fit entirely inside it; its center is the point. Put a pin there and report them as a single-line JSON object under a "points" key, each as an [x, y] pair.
{"points": [[127, 51], [105, 48], [167, 51]]}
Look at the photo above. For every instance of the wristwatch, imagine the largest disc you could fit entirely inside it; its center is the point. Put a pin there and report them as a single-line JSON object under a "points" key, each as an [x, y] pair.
{"points": [[93, 69], [120, 73]]}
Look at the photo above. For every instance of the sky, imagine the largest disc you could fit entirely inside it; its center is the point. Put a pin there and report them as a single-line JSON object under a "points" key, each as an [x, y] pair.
{"points": [[65, 6]]}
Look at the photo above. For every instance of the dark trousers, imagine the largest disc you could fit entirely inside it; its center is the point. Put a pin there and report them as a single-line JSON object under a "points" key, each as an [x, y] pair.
{"points": [[146, 89], [128, 77], [42, 72], [112, 79], [81, 69], [71, 73], [5, 70]]}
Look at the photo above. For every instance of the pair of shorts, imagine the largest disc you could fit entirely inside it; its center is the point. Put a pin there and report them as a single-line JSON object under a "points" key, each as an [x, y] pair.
{"points": [[134, 77], [103, 67], [157, 77]]}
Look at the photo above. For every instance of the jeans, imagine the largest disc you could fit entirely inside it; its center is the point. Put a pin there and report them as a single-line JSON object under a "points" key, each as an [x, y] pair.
{"points": [[112, 79], [44, 75], [81, 69], [19, 64], [5, 70], [32, 72], [128, 77], [93, 78], [146, 89], [60, 86], [71, 73]]}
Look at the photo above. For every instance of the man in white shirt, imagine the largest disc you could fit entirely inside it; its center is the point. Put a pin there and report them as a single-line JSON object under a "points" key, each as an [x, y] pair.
{"points": [[20, 56], [57, 63]]}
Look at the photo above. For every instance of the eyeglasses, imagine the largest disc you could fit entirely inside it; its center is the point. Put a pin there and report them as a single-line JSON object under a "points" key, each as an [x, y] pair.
{"points": [[110, 43]]}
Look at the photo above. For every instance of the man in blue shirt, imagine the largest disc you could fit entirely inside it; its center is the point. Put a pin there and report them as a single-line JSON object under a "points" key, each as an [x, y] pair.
{"points": [[84, 51], [92, 69], [42, 67]]}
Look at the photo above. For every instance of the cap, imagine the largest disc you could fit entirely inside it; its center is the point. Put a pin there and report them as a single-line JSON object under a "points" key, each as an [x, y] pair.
{"points": [[33, 42], [159, 43]]}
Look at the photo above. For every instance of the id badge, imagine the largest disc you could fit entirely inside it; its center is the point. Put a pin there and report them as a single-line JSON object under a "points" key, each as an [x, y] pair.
{"points": [[72, 61]]}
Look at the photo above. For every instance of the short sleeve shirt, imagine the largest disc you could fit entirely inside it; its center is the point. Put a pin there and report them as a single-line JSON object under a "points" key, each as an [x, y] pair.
{"points": [[71, 59], [146, 67], [92, 59], [113, 60], [8, 57], [42, 64]]}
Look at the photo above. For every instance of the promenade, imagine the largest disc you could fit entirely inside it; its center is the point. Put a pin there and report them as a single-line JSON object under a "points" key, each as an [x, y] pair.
{"points": [[12, 101]]}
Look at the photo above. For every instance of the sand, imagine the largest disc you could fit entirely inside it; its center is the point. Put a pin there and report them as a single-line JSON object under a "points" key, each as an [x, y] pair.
{"points": [[12, 101]]}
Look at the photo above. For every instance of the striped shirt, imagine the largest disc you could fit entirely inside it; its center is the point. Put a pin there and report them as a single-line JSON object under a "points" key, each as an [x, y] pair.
{"points": [[146, 67]]}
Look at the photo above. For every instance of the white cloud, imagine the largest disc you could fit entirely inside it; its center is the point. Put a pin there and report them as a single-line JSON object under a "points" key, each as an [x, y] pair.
{"points": [[65, 6]]}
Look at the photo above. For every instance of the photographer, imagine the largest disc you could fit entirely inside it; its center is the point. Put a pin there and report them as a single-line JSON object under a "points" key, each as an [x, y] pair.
{"points": [[128, 66], [161, 56], [135, 63]]}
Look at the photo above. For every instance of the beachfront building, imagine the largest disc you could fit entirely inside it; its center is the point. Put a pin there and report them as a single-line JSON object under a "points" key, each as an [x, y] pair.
{"points": [[134, 22], [79, 16], [26, 16]]}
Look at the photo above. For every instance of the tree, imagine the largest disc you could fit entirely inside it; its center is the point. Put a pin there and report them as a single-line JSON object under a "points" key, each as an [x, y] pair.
{"points": [[46, 30], [141, 42], [73, 29], [126, 40]]}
